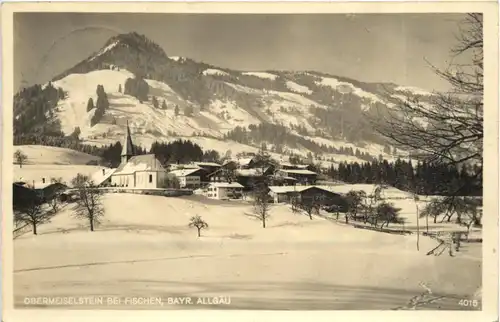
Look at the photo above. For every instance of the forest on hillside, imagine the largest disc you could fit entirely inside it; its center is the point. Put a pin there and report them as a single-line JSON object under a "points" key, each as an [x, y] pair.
{"points": [[278, 138], [425, 178]]}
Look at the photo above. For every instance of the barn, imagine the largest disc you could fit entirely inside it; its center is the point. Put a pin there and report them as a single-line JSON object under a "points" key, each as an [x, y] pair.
{"points": [[324, 197]]}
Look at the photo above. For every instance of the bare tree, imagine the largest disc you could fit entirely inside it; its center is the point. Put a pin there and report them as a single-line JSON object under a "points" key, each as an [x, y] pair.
{"points": [[370, 201], [434, 208], [89, 200], [387, 213], [20, 158], [294, 200], [261, 202], [468, 212], [310, 205], [31, 213], [354, 202], [54, 200], [198, 223], [445, 128]]}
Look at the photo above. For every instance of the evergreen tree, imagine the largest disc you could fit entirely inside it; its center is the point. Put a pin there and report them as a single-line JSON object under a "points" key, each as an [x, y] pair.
{"points": [[90, 104]]}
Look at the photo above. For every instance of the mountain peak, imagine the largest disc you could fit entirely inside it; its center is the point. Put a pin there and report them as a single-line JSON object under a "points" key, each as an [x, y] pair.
{"points": [[131, 51], [136, 41]]}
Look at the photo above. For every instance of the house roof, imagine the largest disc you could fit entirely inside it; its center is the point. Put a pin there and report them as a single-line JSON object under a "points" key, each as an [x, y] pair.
{"points": [[249, 172], [289, 178], [244, 161], [226, 185], [145, 162], [207, 164], [98, 177], [183, 172], [175, 166], [40, 184], [255, 172], [296, 166], [298, 171], [286, 189], [228, 162]]}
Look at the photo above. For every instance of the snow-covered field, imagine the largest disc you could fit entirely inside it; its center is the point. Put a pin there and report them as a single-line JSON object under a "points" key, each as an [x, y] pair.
{"points": [[40, 154], [145, 248], [52, 162]]}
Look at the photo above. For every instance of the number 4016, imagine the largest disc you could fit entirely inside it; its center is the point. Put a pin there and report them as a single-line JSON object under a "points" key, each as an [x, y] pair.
{"points": [[469, 303]]}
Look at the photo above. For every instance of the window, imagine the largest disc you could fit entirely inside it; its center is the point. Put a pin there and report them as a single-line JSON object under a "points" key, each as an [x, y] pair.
{"points": [[150, 178]]}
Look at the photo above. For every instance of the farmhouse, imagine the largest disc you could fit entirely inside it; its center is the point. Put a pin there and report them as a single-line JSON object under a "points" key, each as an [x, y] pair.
{"points": [[137, 171], [219, 175], [224, 190], [245, 163], [188, 178], [22, 195], [44, 191], [209, 167], [285, 194], [303, 176], [230, 164]]}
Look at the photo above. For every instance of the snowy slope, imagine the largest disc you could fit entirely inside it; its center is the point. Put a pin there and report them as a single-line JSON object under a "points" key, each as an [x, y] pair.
{"points": [[143, 117], [39, 154], [150, 124], [213, 71], [298, 88], [345, 87], [264, 75]]}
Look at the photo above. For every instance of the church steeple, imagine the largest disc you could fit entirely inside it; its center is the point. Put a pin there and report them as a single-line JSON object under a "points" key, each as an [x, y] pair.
{"points": [[128, 147]]}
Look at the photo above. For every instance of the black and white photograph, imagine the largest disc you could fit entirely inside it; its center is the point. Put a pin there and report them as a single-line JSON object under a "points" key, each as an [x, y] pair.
{"points": [[249, 161]]}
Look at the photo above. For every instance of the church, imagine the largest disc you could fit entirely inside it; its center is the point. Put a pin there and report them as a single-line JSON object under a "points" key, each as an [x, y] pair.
{"points": [[137, 171]]}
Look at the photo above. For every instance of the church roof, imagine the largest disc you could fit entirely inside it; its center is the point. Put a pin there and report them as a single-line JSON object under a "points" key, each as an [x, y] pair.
{"points": [[102, 175], [128, 147], [145, 162]]}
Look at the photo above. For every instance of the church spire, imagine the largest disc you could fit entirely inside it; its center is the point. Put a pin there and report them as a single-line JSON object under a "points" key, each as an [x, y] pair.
{"points": [[128, 147]]}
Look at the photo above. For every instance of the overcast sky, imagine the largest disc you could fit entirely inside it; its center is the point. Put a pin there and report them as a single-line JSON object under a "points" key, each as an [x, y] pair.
{"points": [[368, 47]]}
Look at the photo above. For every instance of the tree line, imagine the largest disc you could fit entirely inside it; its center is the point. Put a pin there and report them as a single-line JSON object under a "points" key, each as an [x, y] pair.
{"points": [[424, 178]]}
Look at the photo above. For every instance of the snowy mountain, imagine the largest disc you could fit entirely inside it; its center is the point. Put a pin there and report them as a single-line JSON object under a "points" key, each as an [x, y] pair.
{"points": [[288, 111]]}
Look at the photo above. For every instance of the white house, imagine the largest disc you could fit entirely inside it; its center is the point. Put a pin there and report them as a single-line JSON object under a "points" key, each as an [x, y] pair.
{"points": [[224, 190], [188, 178], [137, 171]]}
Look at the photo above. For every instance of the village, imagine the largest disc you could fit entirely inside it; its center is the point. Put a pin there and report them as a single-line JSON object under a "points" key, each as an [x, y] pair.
{"points": [[233, 180]]}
